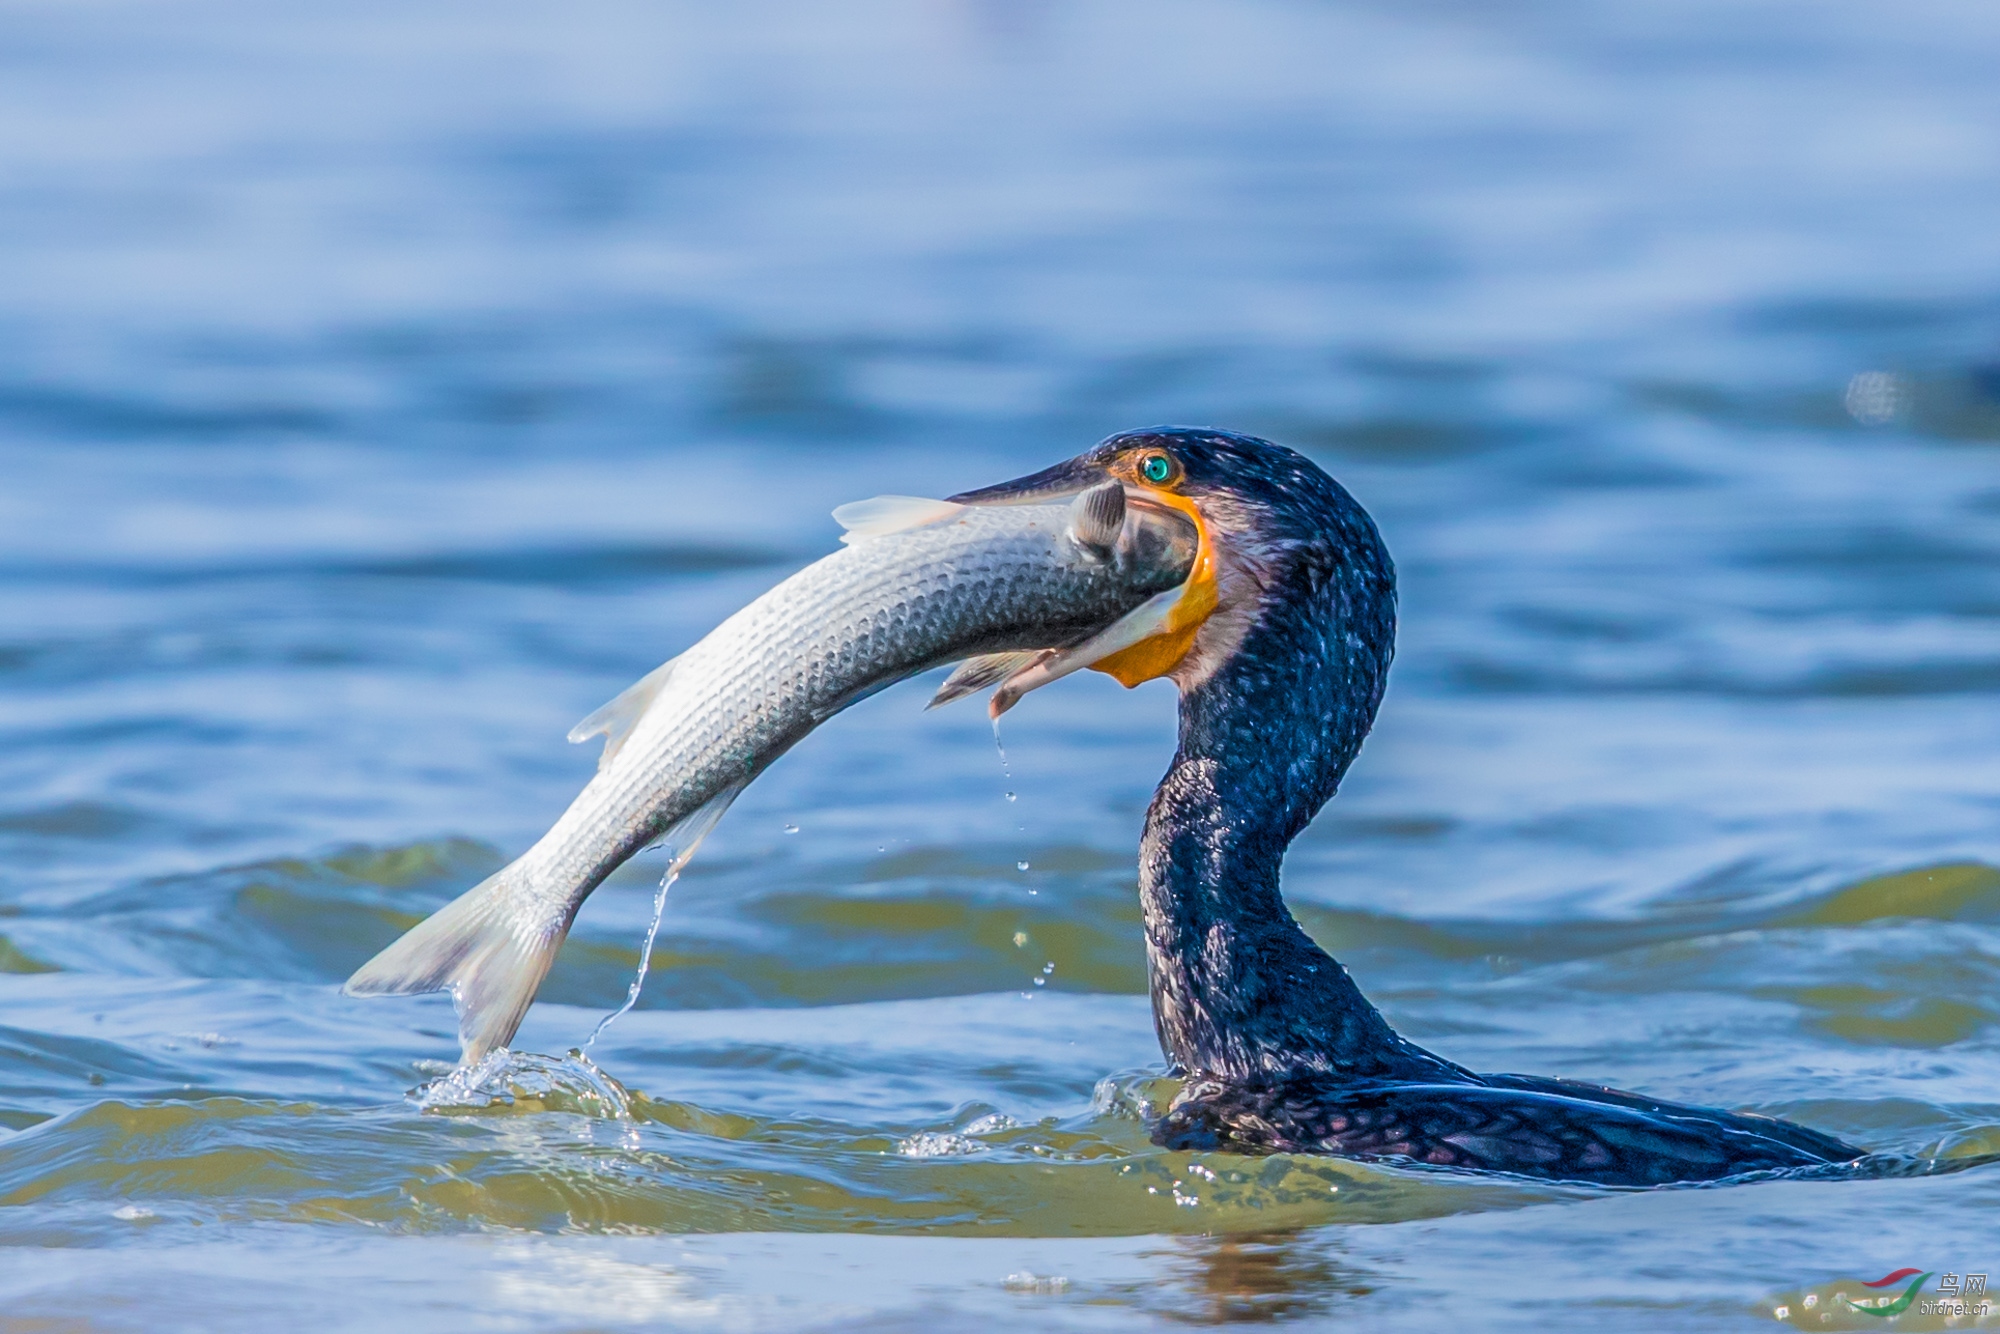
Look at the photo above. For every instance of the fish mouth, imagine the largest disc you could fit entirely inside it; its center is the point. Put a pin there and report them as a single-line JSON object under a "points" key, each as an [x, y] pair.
{"points": [[1159, 637]]}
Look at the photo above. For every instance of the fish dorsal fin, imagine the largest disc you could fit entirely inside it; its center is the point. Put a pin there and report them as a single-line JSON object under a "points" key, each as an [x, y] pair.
{"points": [[883, 515], [616, 719], [975, 674], [1097, 516]]}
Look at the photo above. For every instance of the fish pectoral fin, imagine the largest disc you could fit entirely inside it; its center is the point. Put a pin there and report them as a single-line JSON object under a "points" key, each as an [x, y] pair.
{"points": [[616, 718], [883, 515], [1097, 516], [1136, 626], [686, 834], [975, 674]]}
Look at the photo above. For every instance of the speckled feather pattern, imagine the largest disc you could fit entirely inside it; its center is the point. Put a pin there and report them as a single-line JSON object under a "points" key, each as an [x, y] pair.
{"points": [[1545, 1128]]}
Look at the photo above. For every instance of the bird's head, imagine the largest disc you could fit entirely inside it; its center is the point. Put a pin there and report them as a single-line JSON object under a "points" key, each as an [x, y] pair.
{"points": [[1276, 535]]}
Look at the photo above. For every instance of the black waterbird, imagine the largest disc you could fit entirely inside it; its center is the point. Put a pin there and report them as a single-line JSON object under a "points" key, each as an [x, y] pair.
{"points": [[1281, 659]]}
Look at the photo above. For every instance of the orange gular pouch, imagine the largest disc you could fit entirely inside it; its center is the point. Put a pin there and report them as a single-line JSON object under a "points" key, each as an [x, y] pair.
{"points": [[1148, 642], [1160, 653]]}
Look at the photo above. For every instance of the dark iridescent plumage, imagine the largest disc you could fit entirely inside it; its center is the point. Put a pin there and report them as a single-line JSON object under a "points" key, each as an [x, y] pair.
{"points": [[1281, 1050]]}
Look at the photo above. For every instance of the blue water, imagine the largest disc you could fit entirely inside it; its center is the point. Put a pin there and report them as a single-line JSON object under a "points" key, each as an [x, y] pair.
{"points": [[382, 387]]}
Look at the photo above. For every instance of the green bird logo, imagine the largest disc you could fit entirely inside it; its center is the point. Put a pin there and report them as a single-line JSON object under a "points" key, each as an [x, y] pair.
{"points": [[1883, 1306]]}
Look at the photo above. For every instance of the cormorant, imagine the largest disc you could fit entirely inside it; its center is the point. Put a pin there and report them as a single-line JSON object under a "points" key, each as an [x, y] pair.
{"points": [[1281, 651]]}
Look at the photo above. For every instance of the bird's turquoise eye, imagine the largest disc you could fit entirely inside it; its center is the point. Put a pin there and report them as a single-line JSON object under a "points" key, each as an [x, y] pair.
{"points": [[1157, 468]]}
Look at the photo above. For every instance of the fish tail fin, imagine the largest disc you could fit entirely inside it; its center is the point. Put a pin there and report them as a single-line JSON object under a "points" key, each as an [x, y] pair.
{"points": [[490, 948]]}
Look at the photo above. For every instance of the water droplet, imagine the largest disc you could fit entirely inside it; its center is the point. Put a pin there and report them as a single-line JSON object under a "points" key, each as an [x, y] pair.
{"points": [[1876, 398], [1041, 981], [1020, 940], [791, 829], [1020, 866], [1012, 797], [1048, 967]]}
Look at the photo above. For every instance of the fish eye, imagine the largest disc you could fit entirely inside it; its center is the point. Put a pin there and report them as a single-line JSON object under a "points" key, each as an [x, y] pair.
{"points": [[1156, 468]]}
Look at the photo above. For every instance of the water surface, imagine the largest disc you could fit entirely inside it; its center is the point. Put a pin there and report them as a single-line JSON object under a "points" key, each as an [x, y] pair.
{"points": [[385, 386]]}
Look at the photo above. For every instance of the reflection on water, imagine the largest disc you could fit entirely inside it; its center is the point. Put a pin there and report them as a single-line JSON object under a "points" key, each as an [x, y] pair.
{"points": [[384, 388], [1260, 1278]]}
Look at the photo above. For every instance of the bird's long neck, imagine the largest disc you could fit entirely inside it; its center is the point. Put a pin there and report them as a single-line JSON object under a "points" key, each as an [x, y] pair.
{"points": [[1239, 990]]}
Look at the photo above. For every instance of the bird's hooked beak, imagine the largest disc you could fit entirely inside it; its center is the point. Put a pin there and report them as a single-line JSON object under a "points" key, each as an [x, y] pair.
{"points": [[1147, 644]]}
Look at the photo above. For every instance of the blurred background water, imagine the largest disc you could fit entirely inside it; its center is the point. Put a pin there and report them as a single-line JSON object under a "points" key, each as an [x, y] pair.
{"points": [[383, 386]]}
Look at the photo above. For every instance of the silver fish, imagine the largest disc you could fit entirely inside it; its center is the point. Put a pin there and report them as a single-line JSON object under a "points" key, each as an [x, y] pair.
{"points": [[921, 583]]}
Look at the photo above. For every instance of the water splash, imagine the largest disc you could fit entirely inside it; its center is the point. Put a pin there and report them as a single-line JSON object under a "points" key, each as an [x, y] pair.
{"points": [[526, 1082], [956, 1143], [645, 954]]}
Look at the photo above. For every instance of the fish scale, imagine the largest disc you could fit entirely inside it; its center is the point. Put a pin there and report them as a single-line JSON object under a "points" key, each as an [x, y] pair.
{"points": [[964, 581]]}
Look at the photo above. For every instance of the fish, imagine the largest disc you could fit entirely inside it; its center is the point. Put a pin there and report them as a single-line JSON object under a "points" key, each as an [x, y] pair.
{"points": [[1021, 590]]}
